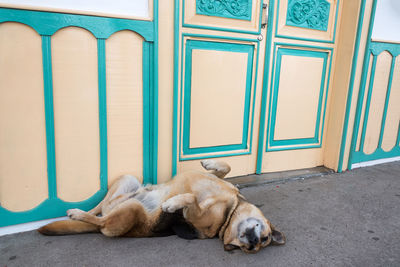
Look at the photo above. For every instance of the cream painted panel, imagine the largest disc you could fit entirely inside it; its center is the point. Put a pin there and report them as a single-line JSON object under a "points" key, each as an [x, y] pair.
{"points": [[23, 160], [393, 112], [292, 159], [377, 102], [240, 165], [299, 88], [165, 89], [293, 31], [190, 17], [340, 81], [357, 78], [124, 104], [217, 97], [76, 118], [364, 104]]}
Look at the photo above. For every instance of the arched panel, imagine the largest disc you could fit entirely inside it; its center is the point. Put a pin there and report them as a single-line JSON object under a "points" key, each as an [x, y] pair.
{"points": [[124, 55], [380, 85], [393, 112], [23, 160], [76, 115]]}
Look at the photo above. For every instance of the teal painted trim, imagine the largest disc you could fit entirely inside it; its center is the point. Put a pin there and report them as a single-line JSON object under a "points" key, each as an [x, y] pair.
{"points": [[224, 9], [211, 156], [101, 58], [176, 88], [50, 208], [378, 47], [315, 18], [218, 28], [307, 39], [175, 125], [379, 153], [363, 81], [262, 131], [387, 98], [228, 38], [398, 135], [297, 141], [146, 115], [215, 46], [47, 23], [367, 106], [154, 98], [49, 116], [351, 85]]}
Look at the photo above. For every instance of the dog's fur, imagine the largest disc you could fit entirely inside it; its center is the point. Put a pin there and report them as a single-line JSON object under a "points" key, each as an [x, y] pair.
{"points": [[192, 205]]}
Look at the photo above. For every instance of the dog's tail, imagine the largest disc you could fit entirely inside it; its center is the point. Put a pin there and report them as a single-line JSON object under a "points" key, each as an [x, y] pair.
{"points": [[68, 227]]}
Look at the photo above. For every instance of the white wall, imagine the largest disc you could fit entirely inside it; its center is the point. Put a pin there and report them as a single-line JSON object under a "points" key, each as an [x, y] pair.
{"points": [[387, 21], [135, 8]]}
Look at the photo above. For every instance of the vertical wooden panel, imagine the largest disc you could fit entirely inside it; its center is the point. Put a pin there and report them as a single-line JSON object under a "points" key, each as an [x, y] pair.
{"points": [[74, 52], [377, 102], [23, 174], [393, 113], [124, 104], [298, 95], [217, 97]]}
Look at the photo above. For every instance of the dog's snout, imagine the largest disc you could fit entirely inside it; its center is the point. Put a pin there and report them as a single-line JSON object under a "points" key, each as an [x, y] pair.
{"points": [[252, 237]]}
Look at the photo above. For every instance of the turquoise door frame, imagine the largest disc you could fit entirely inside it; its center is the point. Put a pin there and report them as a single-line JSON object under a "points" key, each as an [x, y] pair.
{"points": [[48, 23], [373, 49]]}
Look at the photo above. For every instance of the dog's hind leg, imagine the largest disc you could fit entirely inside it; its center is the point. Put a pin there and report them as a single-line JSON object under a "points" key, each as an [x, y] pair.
{"points": [[128, 217], [218, 168]]}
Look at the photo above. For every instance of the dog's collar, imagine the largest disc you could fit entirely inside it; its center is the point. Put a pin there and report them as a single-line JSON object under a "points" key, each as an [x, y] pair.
{"points": [[230, 215]]}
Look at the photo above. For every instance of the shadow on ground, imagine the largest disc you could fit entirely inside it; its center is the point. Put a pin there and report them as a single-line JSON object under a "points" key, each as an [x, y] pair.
{"points": [[348, 219]]}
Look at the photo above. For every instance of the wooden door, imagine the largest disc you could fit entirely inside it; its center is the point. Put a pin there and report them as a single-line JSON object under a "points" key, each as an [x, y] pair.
{"points": [[217, 84], [301, 42]]}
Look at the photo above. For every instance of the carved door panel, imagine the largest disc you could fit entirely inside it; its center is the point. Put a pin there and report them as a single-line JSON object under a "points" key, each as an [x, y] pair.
{"points": [[218, 80], [298, 63]]}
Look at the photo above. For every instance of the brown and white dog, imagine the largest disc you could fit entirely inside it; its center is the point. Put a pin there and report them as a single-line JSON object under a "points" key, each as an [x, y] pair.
{"points": [[192, 205]]}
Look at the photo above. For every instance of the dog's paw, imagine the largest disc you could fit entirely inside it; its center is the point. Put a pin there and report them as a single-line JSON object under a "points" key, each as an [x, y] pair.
{"points": [[209, 164], [170, 206], [75, 214]]}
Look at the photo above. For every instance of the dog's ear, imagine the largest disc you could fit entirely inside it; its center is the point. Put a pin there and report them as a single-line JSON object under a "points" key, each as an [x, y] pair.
{"points": [[278, 238]]}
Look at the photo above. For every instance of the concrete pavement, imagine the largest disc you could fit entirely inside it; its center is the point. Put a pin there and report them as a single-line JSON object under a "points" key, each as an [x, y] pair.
{"points": [[348, 219]]}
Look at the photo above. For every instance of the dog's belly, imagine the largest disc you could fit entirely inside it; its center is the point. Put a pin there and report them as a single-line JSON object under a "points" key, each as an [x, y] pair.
{"points": [[151, 197]]}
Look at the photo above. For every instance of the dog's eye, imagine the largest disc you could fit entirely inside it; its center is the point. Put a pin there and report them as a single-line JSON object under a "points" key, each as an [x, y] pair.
{"points": [[264, 239], [242, 235]]}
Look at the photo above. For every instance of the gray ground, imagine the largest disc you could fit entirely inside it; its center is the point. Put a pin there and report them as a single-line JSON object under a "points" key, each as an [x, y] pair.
{"points": [[349, 219]]}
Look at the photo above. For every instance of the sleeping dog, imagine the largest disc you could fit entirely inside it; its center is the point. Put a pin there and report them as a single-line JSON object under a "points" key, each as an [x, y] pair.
{"points": [[192, 205]]}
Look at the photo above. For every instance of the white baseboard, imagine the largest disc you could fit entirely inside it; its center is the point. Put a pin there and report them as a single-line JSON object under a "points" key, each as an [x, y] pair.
{"points": [[24, 227], [374, 162]]}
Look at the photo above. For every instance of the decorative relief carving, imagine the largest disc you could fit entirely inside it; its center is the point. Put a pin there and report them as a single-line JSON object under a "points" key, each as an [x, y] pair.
{"points": [[237, 9], [313, 14]]}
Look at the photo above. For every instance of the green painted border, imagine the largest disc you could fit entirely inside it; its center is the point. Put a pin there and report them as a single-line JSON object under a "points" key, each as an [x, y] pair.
{"points": [[351, 85], [261, 131], [307, 39], [229, 16], [46, 24], [217, 28], [253, 105], [174, 147], [297, 142], [361, 90], [215, 46], [272, 145]]}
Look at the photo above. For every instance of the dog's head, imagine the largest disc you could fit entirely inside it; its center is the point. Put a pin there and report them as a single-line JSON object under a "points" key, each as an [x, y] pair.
{"points": [[249, 230]]}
